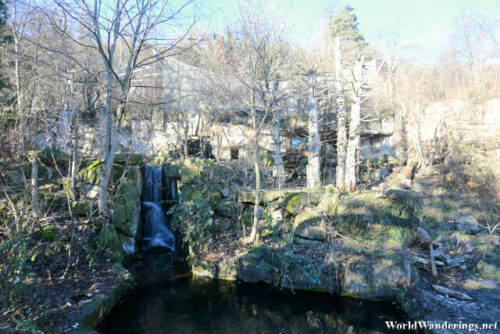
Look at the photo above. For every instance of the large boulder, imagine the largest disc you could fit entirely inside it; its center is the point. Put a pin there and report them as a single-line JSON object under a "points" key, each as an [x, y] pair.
{"points": [[258, 266], [287, 269], [296, 202], [467, 224], [307, 225], [225, 270], [375, 279], [127, 202]]}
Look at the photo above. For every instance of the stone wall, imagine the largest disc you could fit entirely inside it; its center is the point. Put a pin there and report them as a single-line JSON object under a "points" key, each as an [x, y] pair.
{"points": [[322, 240]]}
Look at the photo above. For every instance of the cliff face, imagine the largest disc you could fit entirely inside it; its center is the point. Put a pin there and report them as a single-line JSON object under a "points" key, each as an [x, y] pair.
{"points": [[227, 136]]}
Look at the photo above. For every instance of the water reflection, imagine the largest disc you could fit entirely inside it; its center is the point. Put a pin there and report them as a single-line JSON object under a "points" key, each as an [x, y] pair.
{"points": [[194, 305]]}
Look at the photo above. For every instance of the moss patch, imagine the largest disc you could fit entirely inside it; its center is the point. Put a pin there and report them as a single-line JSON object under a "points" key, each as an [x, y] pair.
{"points": [[49, 233]]}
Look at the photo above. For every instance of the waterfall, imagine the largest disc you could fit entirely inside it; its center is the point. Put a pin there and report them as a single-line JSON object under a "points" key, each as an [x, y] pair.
{"points": [[173, 192], [156, 231], [153, 180]]}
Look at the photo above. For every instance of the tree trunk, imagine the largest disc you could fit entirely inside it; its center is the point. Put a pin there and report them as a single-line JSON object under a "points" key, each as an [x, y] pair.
{"points": [[279, 171], [341, 118], [19, 92], [313, 164], [186, 137], [34, 183], [254, 234], [102, 200], [354, 128], [74, 160], [108, 113], [422, 165]]}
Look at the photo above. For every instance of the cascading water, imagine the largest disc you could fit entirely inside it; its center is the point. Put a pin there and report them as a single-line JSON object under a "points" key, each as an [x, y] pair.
{"points": [[156, 231]]}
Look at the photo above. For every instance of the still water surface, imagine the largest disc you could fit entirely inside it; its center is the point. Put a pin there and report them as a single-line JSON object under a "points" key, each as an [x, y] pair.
{"points": [[194, 305]]}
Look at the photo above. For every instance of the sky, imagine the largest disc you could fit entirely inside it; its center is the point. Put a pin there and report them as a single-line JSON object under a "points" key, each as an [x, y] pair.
{"points": [[422, 27]]}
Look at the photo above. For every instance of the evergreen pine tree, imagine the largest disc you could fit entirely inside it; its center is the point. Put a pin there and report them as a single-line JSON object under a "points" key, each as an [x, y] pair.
{"points": [[345, 26]]}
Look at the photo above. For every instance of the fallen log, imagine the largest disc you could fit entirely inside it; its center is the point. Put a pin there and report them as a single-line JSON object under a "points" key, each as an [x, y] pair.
{"points": [[425, 261], [450, 293]]}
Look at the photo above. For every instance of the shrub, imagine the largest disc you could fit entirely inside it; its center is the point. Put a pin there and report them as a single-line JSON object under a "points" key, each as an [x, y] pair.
{"points": [[194, 222]]}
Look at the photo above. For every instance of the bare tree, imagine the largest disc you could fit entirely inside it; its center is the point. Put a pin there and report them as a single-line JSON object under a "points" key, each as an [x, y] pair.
{"points": [[474, 39], [313, 165], [254, 55], [341, 117], [134, 26], [354, 126]]}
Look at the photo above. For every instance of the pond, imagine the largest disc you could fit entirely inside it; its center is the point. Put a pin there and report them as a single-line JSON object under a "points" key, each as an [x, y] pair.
{"points": [[196, 305]]}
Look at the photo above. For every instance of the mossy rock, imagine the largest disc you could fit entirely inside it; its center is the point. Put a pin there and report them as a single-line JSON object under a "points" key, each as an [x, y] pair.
{"points": [[127, 202], [258, 265], [189, 175], [48, 233], [90, 314], [307, 225], [306, 215], [91, 174], [194, 168], [329, 203], [373, 279], [191, 193], [295, 203], [274, 213], [108, 238], [124, 217], [359, 204]]}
